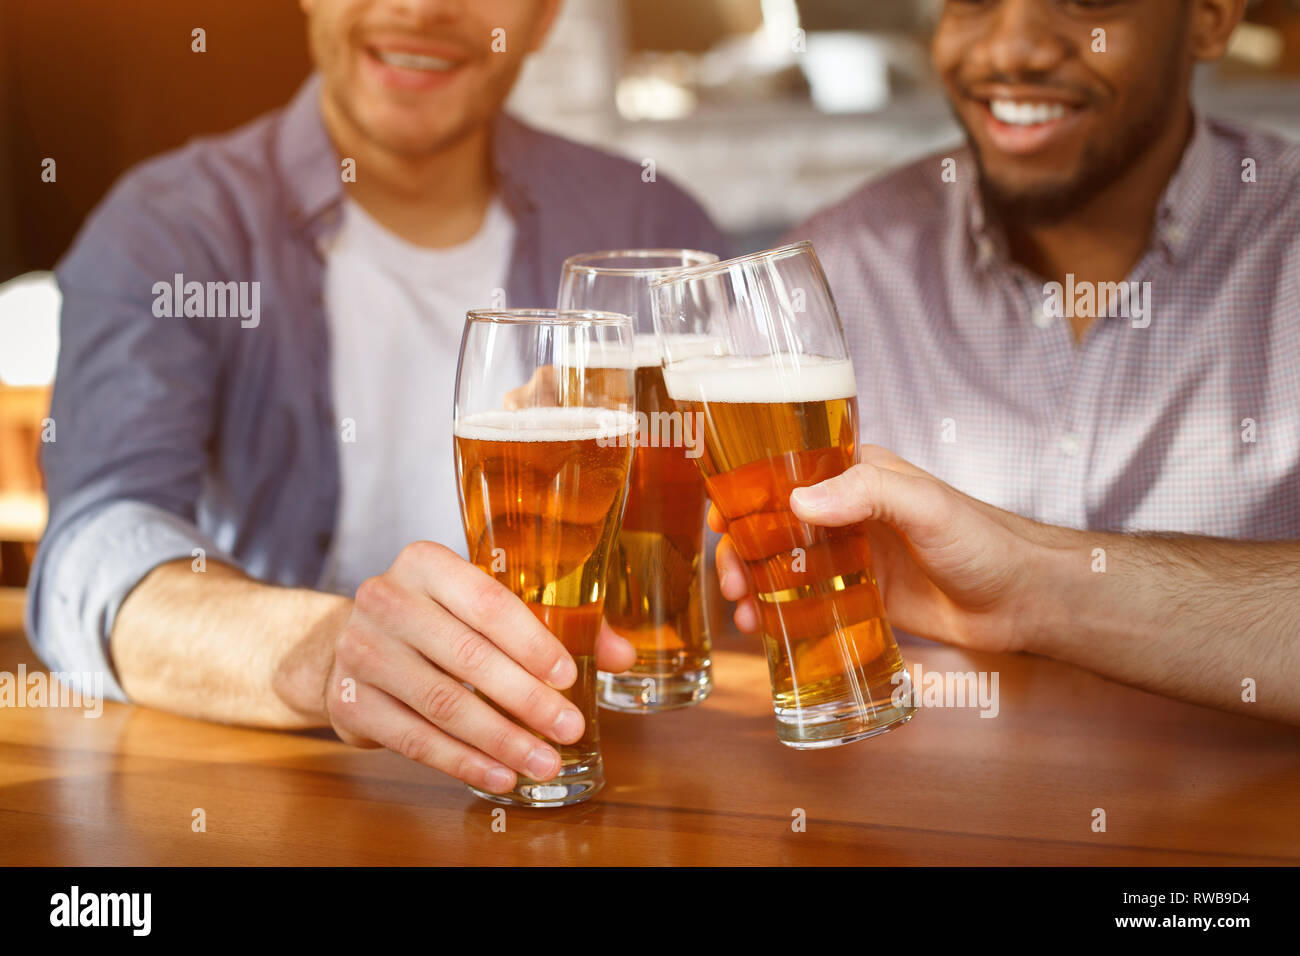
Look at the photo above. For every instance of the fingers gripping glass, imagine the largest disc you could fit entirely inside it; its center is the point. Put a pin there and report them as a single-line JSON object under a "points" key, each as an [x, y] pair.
{"points": [[544, 408], [780, 408]]}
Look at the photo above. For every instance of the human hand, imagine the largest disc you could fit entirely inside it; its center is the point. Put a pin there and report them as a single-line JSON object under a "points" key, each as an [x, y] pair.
{"points": [[431, 621], [949, 567]]}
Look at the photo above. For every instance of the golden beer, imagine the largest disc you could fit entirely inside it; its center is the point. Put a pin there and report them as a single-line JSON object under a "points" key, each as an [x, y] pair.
{"points": [[654, 586], [831, 654], [655, 594], [542, 490]]}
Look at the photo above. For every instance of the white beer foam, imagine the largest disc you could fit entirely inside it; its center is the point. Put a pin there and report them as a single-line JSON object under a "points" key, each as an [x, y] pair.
{"points": [[646, 350], [547, 424], [766, 379]]}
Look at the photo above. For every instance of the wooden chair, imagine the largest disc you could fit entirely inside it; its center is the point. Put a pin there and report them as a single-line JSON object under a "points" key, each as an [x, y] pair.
{"points": [[23, 506]]}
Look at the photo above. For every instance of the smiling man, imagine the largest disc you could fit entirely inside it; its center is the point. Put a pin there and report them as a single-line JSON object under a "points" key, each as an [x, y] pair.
{"points": [[1173, 408], [247, 513], [1087, 315]]}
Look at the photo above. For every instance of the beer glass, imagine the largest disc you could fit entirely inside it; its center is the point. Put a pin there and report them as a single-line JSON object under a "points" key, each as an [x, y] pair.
{"points": [[655, 587], [781, 412], [542, 461]]}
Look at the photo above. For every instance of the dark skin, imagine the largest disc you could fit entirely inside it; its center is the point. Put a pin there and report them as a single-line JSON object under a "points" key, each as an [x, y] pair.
{"points": [[1083, 200], [959, 570]]}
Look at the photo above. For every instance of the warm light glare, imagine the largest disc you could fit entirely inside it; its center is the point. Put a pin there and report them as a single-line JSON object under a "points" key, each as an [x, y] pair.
{"points": [[847, 71], [780, 20], [652, 98], [29, 329]]}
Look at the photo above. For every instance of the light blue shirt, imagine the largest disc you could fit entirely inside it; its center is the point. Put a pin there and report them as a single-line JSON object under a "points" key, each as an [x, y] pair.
{"points": [[177, 433]]}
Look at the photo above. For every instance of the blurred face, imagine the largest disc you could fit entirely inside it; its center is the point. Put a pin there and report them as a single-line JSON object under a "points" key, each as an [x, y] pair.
{"points": [[1052, 120], [413, 76]]}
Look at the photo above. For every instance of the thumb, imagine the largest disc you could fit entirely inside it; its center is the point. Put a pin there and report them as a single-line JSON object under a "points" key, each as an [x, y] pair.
{"points": [[915, 504], [614, 653]]}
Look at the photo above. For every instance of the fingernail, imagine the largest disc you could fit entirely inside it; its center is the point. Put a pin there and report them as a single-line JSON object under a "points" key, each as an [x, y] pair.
{"points": [[564, 673], [541, 764], [568, 725], [499, 780], [814, 497]]}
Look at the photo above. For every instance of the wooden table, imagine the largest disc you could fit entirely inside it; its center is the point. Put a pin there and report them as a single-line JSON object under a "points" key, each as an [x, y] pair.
{"points": [[711, 785]]}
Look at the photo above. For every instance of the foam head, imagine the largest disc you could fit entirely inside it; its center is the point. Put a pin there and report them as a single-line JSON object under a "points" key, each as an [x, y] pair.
{"points": [[547, 424], [760, 380], [648, 350]]}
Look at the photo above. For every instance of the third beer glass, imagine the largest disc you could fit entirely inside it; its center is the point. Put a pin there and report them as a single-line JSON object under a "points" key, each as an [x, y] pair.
{"points": [[781, 412], [542, 460], [655, 593]]}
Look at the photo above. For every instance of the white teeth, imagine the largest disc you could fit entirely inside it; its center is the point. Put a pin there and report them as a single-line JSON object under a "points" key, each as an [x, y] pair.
{"points": [[1025, 114], [413, 61]]}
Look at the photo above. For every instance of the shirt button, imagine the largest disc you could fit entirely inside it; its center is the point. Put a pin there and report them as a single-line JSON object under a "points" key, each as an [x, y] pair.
{"points": [[1070, 444], [323, 541], [1041, 317]]}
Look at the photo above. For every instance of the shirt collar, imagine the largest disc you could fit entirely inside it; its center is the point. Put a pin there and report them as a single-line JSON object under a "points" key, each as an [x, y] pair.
{"points": [[1181, 206], [311, 172], [309, 164], [988, 241], [513, 148], [1188, 193]]}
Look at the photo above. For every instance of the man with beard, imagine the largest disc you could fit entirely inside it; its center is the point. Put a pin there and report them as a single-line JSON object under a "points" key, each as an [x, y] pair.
{"points": [[1089, 317]]}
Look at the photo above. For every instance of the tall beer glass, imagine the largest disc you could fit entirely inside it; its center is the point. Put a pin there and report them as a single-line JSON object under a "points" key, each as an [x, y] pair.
{"points": [[781, 411], [542, 461], [655, 588]]}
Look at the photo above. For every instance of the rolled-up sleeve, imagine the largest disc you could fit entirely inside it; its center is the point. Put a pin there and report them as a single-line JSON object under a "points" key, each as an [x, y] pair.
{"points": [[133, 413], [90, 567]]}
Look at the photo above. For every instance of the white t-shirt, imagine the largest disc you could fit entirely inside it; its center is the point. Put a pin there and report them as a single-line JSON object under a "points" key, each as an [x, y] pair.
{"points": [[395, 313]]}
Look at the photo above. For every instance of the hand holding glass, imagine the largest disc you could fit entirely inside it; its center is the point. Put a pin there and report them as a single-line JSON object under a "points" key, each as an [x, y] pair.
{"points": [[781, 412], [542, 460]]}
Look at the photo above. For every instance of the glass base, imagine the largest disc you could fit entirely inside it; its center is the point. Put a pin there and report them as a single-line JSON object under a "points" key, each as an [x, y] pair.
{"points": [[839, 732], [574, 785], [631, 693], [843, 721]]}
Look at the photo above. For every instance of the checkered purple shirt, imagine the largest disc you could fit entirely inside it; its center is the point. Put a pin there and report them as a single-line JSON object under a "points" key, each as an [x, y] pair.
{"points": [[1190, 424]]}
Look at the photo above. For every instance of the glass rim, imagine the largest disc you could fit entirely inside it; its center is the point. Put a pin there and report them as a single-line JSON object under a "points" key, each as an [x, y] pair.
{"points": [[710, 268], [554, 317], [579, 262]]}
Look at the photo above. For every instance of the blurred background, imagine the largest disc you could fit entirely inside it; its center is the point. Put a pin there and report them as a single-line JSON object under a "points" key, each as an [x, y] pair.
{"points": [[762, 123]]}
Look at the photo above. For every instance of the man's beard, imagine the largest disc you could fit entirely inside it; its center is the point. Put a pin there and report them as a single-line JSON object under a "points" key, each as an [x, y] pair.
{"points": [[1101, 166]]}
